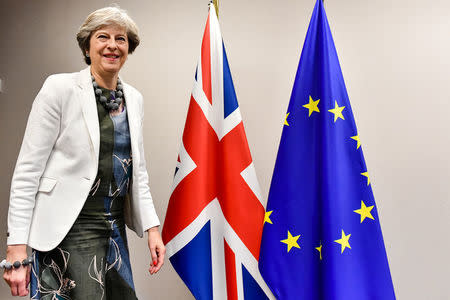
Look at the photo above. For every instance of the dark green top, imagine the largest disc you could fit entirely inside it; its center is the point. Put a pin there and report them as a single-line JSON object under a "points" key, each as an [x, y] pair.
{"points": [[114, 163]]}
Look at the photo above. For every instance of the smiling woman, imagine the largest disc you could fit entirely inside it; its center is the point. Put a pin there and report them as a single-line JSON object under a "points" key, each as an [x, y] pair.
{"points": [[81, 177]]}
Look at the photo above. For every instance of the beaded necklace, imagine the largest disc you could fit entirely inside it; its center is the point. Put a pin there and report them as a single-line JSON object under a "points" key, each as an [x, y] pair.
{"points": [[116, 96]]}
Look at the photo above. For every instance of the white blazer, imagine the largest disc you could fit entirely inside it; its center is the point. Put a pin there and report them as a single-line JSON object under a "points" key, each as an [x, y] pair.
{"points": [[58, 163]]}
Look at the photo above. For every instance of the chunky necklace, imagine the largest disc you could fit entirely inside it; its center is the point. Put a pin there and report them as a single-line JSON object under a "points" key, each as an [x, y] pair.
{"points": [[116, 96]]}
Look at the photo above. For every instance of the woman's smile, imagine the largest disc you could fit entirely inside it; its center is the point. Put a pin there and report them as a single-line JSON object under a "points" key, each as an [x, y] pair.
{"points": [[111, 56]]}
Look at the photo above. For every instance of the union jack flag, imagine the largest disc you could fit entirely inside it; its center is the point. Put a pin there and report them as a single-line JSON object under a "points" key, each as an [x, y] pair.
{"points": [[215, 217]]}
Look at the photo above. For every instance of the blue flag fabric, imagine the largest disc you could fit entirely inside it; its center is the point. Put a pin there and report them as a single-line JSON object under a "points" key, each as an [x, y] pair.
{"points": [[321, 236]]}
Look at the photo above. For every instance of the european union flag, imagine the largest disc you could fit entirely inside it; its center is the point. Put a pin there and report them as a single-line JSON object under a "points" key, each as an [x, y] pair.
{"points": [[322, 237]]}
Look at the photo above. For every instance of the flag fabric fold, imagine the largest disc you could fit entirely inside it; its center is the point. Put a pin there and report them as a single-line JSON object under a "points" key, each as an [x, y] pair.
{"points": [[214, 219], [322, 236]]}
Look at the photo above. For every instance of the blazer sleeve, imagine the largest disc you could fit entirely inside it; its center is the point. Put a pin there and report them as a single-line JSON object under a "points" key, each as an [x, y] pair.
{"points": [[147, 209], [41, 133]]}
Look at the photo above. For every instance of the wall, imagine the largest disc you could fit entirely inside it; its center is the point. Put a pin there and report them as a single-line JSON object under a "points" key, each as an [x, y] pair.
{"points": [[395, 59]]}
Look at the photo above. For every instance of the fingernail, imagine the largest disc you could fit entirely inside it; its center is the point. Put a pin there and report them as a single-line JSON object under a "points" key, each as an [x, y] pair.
{"points": [[155, 262]]}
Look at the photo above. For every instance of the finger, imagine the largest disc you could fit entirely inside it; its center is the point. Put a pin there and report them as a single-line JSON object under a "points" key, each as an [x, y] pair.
{"points": [[160, 261], [14, 290], [154, 260], [161, 255], [158, 266], [22, 288], [154, 256], [152, 270]]}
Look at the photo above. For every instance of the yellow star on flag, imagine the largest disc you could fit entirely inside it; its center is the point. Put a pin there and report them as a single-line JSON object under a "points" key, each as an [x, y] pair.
{"points": [[356, 138], [366, 174], [291, 241], [337, 111], [312, 106], [344, 241], [267, 217], [285, 119], [364, 211], [320, 250]]}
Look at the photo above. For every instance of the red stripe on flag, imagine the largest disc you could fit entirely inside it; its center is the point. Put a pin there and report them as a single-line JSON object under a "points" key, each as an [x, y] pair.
{"points": [[206, 62], [239, 204], [230, 265], [198, 188]]}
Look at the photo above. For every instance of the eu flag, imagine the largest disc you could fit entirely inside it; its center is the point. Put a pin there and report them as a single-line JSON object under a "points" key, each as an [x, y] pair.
{"points": [[322, 237]]}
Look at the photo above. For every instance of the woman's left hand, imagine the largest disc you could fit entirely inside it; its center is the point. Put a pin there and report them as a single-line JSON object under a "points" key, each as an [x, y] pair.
{"points": [[157, 250]]}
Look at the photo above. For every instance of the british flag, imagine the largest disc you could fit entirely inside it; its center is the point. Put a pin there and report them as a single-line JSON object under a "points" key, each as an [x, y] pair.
{"points": [[215, 217]]}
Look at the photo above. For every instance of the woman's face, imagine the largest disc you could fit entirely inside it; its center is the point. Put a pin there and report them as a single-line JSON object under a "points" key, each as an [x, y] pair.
{"points": [[108, 49]]}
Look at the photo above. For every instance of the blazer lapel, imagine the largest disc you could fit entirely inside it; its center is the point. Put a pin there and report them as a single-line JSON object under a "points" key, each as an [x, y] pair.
{"points": [[89, 108], [134, 116]]}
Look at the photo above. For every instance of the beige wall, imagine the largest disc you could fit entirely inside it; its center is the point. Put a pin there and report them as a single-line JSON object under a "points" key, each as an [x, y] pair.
{"points": [[396, 62]]}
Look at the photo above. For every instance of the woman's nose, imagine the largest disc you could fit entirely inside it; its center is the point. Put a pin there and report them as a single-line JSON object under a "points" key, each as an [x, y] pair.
{"points": [[112, 44]]}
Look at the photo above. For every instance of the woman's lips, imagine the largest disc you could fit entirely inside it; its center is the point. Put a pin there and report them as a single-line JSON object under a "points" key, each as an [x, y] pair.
{"points": [[111, 57]]}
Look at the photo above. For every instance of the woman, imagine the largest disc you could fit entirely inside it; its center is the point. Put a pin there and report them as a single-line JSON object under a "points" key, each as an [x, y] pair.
{"points": [[81, 175]]}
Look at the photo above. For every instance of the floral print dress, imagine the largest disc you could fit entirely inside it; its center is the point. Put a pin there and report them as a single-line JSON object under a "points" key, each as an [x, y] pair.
{"points": [[92, 262]]}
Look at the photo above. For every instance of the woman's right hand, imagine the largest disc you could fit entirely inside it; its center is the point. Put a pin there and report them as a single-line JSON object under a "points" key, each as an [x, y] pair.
{"points": [[17, 279]]}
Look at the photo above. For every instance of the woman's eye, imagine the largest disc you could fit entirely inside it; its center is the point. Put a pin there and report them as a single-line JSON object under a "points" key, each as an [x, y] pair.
{"points": [[102, 36], [121, 38]]}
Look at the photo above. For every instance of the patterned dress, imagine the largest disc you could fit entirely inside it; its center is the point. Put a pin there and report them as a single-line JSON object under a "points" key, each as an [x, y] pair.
{"points": [[92, 262]]}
